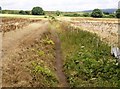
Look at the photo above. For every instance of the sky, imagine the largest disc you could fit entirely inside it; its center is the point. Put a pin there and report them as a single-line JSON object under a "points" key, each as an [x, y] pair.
{"points": [[61, 5]]}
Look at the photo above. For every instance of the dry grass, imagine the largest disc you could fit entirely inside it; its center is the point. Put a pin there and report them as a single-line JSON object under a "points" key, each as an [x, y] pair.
{"points": [[33, 65]]}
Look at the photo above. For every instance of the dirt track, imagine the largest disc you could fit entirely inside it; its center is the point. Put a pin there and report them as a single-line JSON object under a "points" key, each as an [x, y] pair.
{"points": [[59, 61], [13, 39]]}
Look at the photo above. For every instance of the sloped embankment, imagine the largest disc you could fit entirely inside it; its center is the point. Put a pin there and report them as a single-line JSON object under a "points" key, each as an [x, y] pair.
{"points": [[87, 60], [107, 29]]}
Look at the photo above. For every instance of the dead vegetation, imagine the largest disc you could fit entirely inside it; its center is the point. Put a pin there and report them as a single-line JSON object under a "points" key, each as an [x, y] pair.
{"points": [[33, 65]]}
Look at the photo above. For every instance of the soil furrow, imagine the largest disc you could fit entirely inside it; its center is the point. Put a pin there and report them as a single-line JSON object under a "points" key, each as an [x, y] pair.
{"points": [[59, 63]]}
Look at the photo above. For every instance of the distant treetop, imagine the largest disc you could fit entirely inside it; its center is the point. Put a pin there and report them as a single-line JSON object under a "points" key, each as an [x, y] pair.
{"points": [[37, 11], [97, 13]]}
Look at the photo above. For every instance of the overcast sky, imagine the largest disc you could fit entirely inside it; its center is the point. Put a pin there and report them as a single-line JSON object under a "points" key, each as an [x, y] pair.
{"points": [[62, 5]]}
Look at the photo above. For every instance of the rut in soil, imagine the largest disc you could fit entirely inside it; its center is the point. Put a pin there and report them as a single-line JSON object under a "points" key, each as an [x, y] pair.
{"points": [[59, 62]]}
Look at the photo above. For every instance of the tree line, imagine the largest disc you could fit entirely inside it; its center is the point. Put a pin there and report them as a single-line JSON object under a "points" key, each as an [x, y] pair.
{"points": [[96, 13]]}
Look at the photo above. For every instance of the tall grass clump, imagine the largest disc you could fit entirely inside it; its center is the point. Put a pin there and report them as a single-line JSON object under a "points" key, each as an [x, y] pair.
{"points": [[87, 60]]}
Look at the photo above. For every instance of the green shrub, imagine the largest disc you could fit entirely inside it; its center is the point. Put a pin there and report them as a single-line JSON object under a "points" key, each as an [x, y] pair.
{"points": [[37, 11], [45, 16], [73, 15], [106, 13], [86, 15], [112, 16], [22, 12], [109, 16]]}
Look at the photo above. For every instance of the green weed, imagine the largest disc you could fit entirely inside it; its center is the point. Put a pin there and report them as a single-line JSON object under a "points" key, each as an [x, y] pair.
{"points": [[41, 53], [48, 41], [41, 71], [88, 62]]}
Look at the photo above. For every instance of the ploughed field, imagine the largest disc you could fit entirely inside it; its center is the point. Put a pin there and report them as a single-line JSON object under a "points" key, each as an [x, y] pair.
{"points": [[8, 24]]}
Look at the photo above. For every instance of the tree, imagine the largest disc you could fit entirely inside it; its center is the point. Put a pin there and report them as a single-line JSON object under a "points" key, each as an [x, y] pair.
{"points": [[118, 13], [97, 13], [37, 11], [112, 15], [22, 12]]}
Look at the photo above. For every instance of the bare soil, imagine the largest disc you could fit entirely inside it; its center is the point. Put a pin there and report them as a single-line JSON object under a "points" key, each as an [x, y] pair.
{"points": [[16, 58], [14, 43], [59, 61]]}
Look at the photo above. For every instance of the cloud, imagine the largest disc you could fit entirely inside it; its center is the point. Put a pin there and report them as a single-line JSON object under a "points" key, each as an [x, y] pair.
{"points": [[63, 5]]}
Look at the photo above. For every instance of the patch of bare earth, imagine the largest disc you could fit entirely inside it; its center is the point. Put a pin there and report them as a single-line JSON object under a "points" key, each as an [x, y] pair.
{"points": [[59, 61], [32, 57]]}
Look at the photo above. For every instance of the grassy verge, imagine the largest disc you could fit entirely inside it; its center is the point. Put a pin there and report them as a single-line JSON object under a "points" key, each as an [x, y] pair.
{"points": [[88, 62]]}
